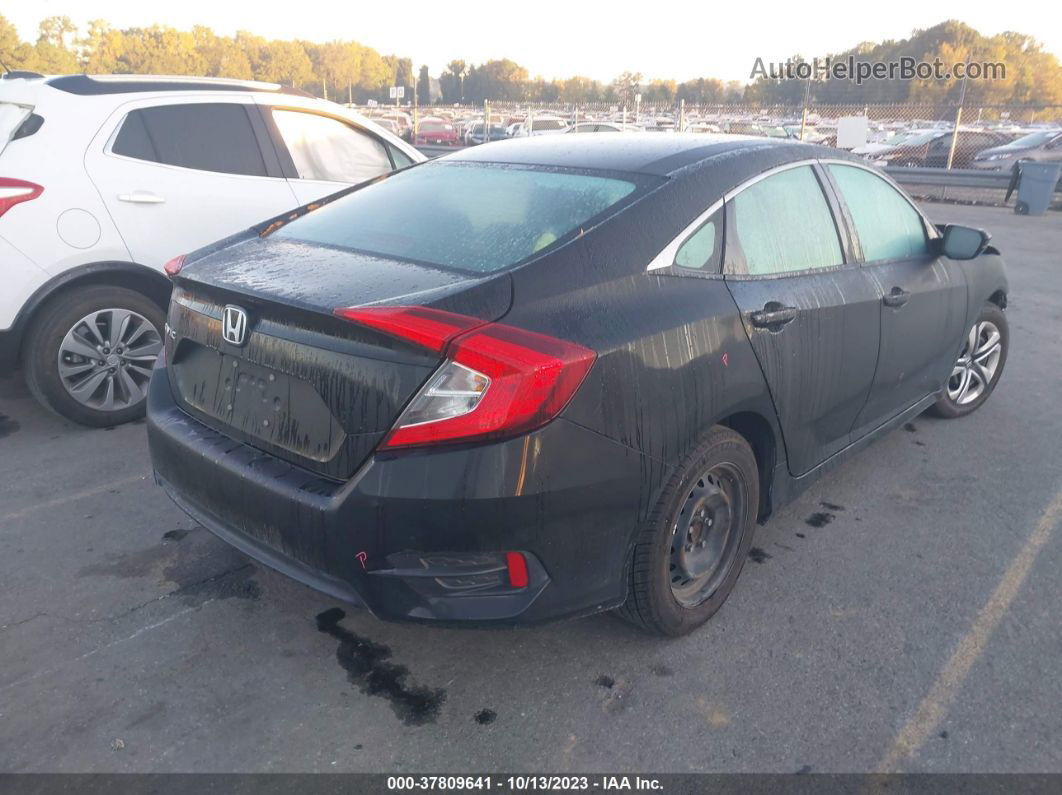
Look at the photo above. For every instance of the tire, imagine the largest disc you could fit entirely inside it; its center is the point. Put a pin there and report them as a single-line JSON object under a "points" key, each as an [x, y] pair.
{"points": [[957, 401], [135, 315], [657, 600]]}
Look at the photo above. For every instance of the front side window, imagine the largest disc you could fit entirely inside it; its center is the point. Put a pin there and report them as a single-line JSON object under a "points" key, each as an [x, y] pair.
{"points": [[327, 149], [783, 224], [468, 216], [887, 225], [207, 136]]}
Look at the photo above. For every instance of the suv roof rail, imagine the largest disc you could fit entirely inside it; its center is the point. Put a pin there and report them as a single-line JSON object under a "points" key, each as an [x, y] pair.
{"points": [[93, 85], [17, 73]]}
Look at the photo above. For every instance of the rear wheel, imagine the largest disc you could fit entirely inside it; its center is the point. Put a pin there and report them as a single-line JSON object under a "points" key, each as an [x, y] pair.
{"points": [[979, 366], [688, 558], [89, 353]]}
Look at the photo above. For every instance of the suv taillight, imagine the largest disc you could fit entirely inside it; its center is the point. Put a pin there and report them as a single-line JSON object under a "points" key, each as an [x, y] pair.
{"points": [[497, 380], [16, 191], [173, 266]]}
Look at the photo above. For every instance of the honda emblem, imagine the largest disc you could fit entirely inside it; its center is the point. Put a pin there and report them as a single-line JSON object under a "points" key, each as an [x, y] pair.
{"points": [[234, 325]]}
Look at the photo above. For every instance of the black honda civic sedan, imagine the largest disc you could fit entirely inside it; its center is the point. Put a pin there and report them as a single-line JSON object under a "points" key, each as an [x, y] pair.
{"points": [[559, 375]]}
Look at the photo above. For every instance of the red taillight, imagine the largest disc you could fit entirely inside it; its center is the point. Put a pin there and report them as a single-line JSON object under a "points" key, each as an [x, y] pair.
{"points": [[16, 191], [517, 566], [430, 328], [173, 267], [498, 380]]}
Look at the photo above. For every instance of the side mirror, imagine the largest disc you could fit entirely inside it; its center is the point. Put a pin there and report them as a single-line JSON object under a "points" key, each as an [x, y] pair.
{"points": [[963, 242]]}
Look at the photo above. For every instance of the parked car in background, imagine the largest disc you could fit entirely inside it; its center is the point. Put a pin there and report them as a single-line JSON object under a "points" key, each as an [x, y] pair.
{"points": [[475, 135], [703, 127], [811, 134], [387, 124], [436, 131], [969, 143], [402, 120], [872, 148], [909, 152], [539, 125], [601, 126], [1041, 146], [105, 179], [625, 453]]}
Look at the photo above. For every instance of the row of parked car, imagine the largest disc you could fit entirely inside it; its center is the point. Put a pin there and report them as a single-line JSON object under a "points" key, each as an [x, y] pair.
{"points": [[927, 145], [993, 150], [448, 130]]}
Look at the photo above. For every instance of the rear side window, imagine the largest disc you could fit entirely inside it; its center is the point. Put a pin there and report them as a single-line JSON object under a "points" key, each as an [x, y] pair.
{"points": [[208, 136], [327, 149], [702, 249], [887, 225], [472, 217], [12, 117], [401, 158], [783, 224]]}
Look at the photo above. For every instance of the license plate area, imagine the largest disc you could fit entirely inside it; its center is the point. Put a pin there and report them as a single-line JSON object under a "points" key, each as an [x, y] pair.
{"points": [[258, 401]]}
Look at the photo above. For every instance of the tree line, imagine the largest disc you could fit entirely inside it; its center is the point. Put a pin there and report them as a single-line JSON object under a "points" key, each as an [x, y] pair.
{"points": [[354, 72]]}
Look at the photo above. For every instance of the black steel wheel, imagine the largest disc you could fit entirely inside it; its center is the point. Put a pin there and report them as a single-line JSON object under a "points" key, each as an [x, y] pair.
{"points": [[686, 560]]}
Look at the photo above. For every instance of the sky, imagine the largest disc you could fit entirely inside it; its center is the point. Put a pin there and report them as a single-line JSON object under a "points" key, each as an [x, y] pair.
{"points": [[665, 39]]}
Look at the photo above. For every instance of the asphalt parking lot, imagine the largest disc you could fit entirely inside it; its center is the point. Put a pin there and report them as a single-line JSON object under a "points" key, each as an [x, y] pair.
{"points": [[906, 614]]}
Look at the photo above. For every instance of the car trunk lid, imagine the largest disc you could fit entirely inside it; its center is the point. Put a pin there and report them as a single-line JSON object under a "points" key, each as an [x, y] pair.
{"points": [[302, 384]]}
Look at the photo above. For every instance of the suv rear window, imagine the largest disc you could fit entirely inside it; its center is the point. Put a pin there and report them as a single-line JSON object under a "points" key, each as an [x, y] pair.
{"points": [[469, 216], [207, 136]]}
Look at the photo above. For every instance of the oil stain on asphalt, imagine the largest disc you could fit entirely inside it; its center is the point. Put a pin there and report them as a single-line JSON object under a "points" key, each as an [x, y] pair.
{"points": [[367, 667], [202, 568], [758, 555], [485, 716]]}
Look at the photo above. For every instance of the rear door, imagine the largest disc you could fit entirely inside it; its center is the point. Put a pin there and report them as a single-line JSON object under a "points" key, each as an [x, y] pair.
{"points": [[810, 312], [175, 177], [923, 297], [323, 154]]}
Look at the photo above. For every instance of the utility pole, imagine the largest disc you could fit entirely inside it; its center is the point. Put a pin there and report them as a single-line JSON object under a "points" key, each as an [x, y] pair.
{"points": [[958, 114], [804, 114]]}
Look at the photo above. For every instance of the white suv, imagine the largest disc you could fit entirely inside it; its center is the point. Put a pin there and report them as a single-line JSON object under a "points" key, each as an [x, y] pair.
{"points": [[105, 179]]}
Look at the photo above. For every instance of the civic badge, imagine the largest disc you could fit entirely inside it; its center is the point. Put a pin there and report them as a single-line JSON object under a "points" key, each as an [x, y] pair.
{"points": [[234, 325]]}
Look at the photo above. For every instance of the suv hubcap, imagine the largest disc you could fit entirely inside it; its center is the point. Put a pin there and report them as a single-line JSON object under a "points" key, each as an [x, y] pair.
{"points": [[105, 360], [977, 364]]}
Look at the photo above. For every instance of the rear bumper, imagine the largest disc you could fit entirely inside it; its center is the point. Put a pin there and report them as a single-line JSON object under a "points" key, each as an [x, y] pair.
{"points": [[414, 536]]}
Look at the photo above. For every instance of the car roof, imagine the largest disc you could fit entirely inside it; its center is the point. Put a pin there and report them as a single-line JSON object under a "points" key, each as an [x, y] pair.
{"points": [[95, 85], [646, 153]]}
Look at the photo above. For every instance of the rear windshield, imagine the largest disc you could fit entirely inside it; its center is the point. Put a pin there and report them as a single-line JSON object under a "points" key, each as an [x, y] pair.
{"points": [[471, 216]]}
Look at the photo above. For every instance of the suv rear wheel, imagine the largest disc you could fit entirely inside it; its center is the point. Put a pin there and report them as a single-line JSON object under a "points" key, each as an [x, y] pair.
{"points": [[89, 353]]}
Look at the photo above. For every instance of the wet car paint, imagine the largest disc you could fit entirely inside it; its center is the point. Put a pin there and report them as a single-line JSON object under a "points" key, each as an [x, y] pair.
{"points": [[675, 356]]}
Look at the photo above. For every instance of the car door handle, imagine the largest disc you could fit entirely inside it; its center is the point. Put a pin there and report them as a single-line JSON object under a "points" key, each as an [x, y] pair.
{"points": [[141, 197], [773, 316], [897, 297]]}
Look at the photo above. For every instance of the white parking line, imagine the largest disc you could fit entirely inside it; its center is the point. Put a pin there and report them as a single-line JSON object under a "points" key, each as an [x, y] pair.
{"points": [[78, 495], [935, 705]]}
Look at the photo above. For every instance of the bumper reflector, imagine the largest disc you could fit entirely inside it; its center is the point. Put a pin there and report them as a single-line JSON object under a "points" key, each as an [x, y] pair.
{"points": [[517, 569]]}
